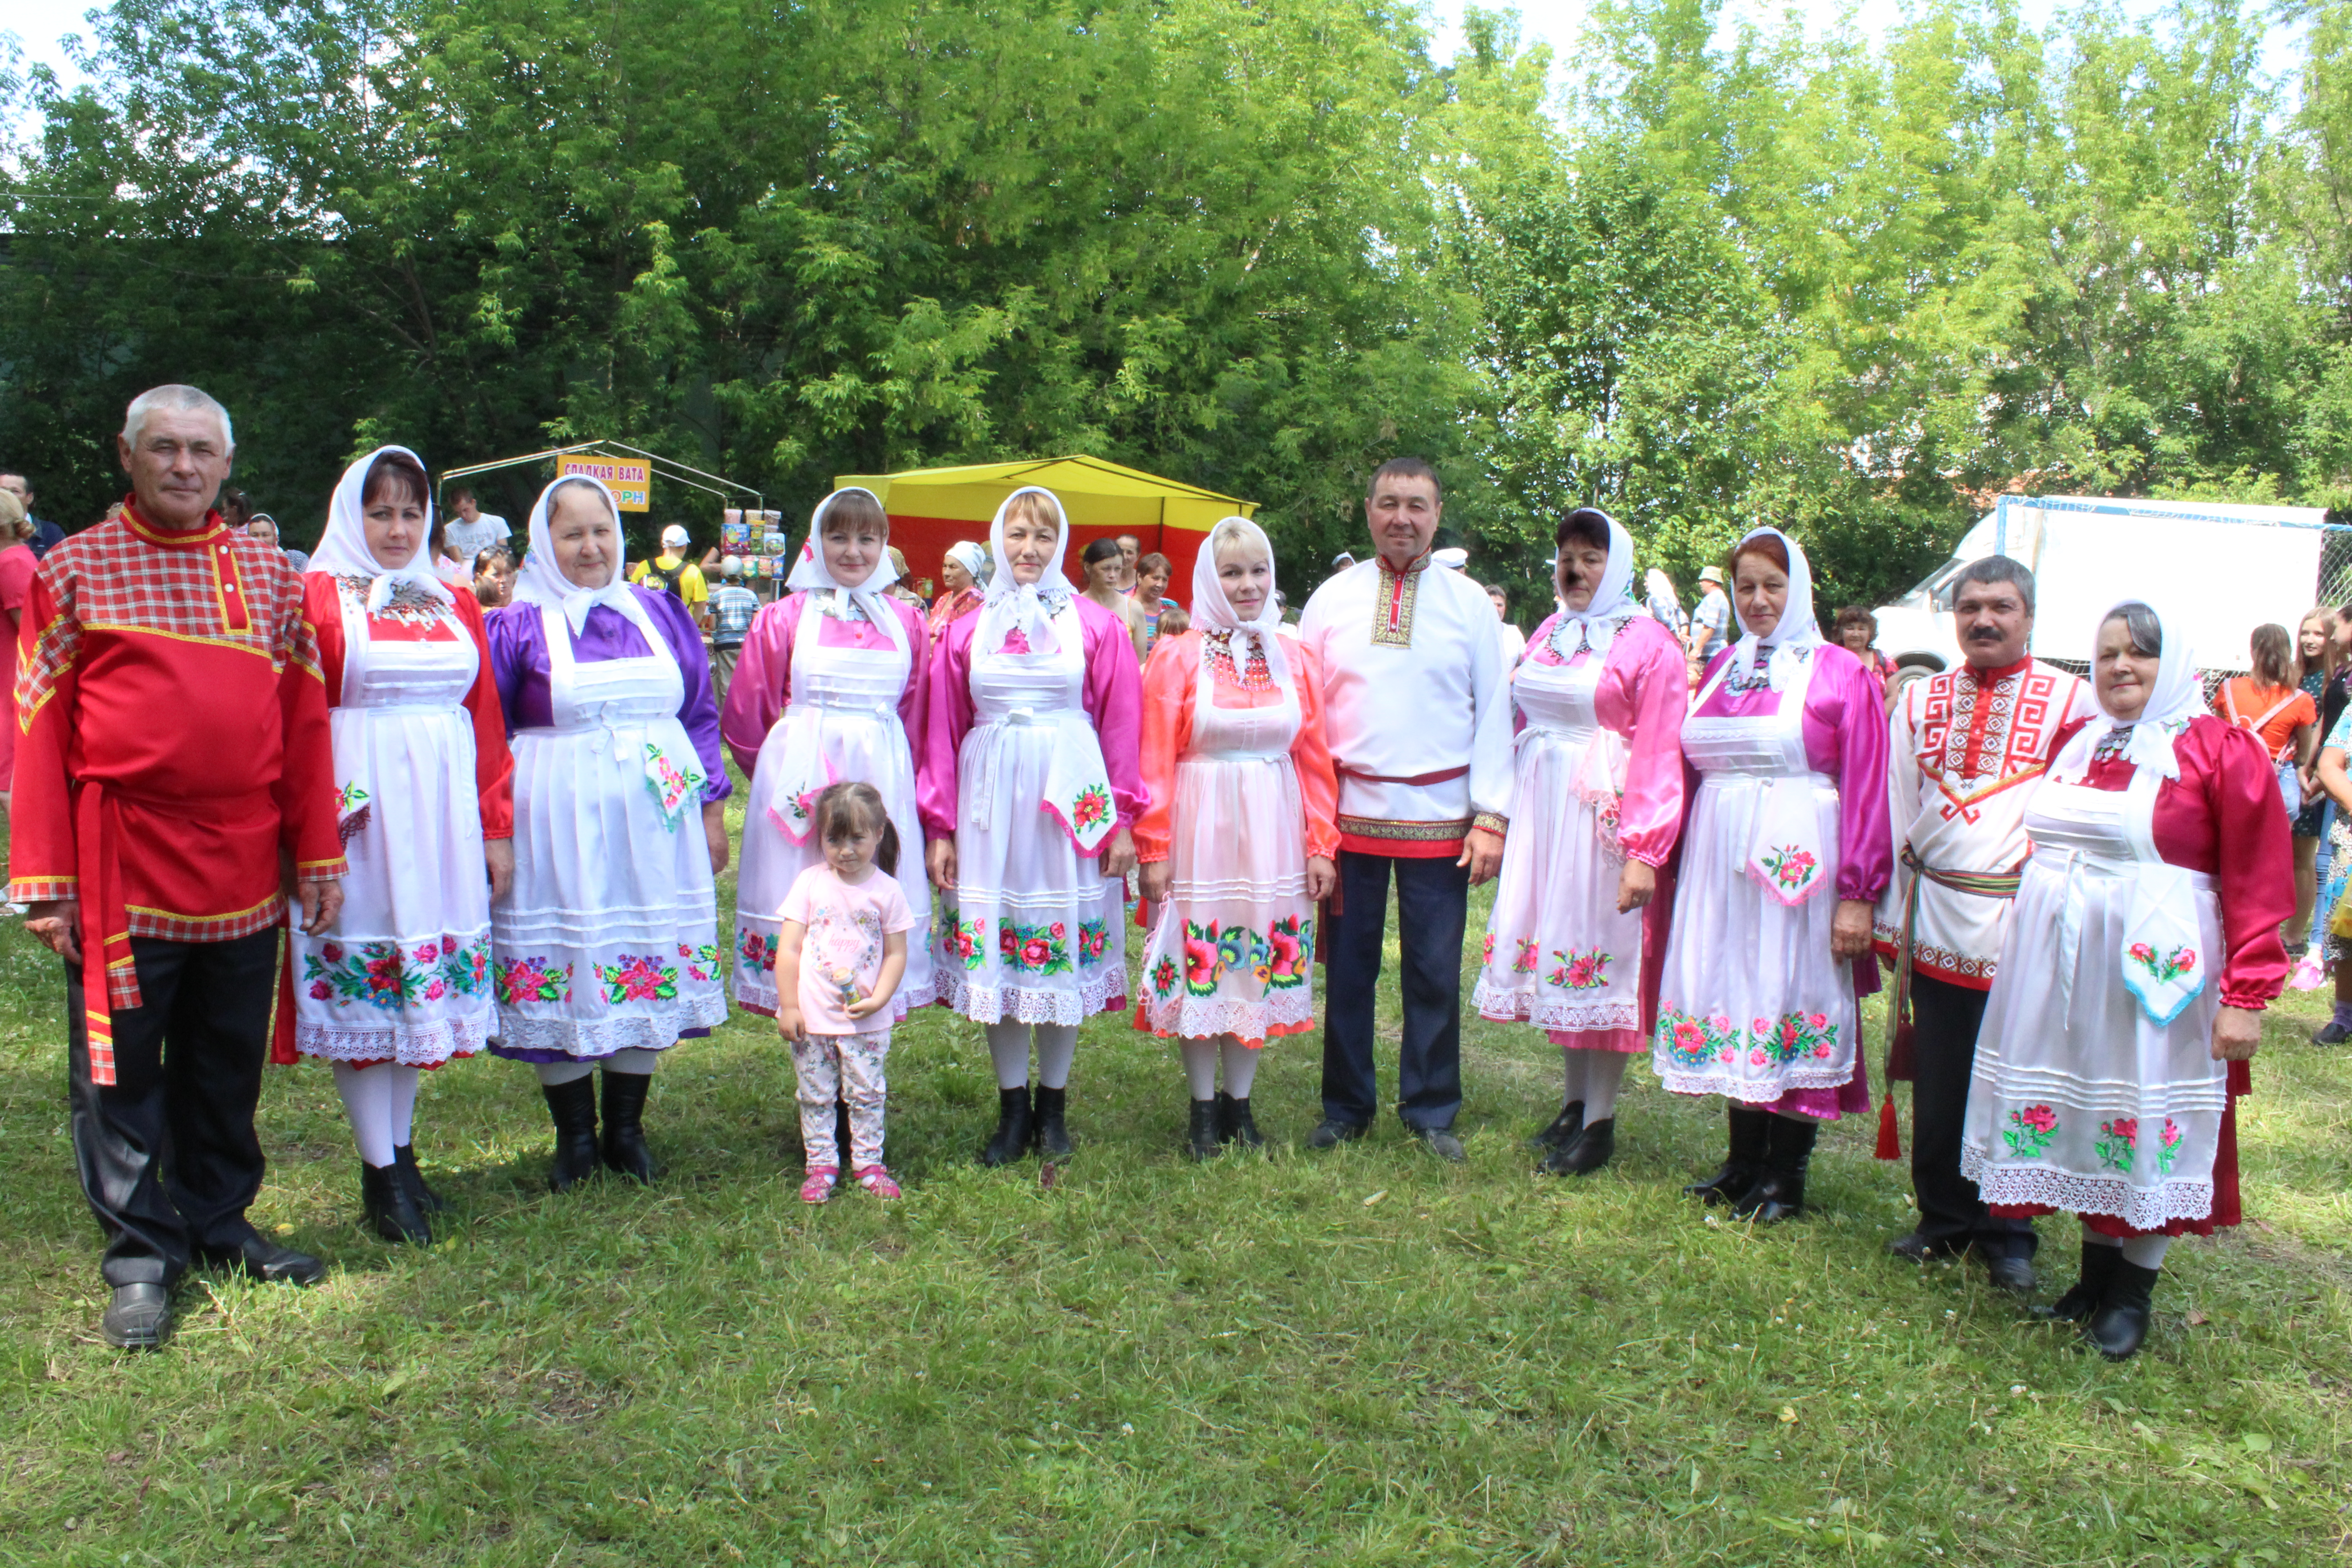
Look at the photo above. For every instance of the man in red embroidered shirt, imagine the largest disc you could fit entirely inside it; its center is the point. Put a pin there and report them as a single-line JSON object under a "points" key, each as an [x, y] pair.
{"points": [[173, 779], [1967, 751]]}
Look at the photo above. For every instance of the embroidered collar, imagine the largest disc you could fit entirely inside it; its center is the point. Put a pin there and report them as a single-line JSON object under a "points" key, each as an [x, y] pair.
{"points": [[1994, 677], [1743, 678], [202, 534], [1418, 563]]}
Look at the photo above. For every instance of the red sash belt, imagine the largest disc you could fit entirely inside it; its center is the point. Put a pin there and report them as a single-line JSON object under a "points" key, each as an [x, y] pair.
{"points": [[1418, 781], [109, 979]]}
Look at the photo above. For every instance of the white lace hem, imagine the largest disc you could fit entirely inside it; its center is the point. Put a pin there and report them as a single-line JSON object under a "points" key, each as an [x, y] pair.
{"points": [[2076, 1191], [1752, 1091], [419, 1045], [654, 1029], [1104, 992], [1518, 1005], [1192, 1017]]}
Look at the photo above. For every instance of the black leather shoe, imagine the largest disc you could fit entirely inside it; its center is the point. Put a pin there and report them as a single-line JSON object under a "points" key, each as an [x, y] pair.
{"points": [[2082, 1298], [2006, 1271], [1330, 1133], [1050, 1133], [1011, 1139], [572, 1107], [1563, 1129], [2120, 1325], [1201, 1137], [1585, 1153], [1751, 1132], [1235, 1123], [258, 1257], [1442, 1143], [624, 1133], [139, 1317], [404, 1160], [2331, 1033], [1779, 1193], [1914, 1248], [389, 1209]]}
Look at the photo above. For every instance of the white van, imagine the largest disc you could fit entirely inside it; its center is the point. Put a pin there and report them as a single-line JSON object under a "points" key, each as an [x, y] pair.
{"points": [[2224, 569]]}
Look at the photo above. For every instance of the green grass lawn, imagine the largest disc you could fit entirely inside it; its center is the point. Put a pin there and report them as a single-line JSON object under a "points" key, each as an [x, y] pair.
{"points": [[1354, 1357]]}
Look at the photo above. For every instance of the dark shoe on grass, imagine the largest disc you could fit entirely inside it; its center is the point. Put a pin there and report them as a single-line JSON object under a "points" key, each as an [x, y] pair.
{"points": [[1051, 1132], [427, 1201], [1201, 1141], [1584, 1154], [1442, 1143], [624, 1132], [1330, 1133], [2120, 1325], [2082, 1298], [1563, 1129], [389, 1209], [1750, 1131], [258, 1257], [1779, 1193], [2006, 1271], [572, 1108], [2331, 1033], [139, 1317], [1235, 1123], [1011, 1139]]}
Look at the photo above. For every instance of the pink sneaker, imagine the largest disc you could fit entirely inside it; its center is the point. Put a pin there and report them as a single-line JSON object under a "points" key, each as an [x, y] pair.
{"points": [[2307, 975], [876, 1180], [819, 1185]]}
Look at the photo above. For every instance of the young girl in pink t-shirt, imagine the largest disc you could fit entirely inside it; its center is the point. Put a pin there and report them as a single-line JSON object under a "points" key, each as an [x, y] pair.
{"points": [[840, 954]]}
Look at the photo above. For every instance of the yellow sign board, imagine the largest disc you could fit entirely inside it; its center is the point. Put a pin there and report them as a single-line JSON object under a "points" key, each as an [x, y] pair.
{"points": [[631, 482]]}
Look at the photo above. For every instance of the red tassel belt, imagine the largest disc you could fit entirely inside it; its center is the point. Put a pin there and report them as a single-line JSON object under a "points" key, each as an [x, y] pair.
{"points": [[108, 978]]}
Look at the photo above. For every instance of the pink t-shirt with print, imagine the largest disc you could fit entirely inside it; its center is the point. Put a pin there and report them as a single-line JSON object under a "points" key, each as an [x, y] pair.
{"points": [[846, 926]]}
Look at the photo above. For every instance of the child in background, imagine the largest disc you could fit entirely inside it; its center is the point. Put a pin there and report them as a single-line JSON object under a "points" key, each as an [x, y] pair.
{"points": [[840, 954]]}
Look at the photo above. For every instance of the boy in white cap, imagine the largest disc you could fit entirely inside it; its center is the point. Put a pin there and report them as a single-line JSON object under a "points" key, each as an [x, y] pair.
{"points": [[1706, 621], [674, 574]]}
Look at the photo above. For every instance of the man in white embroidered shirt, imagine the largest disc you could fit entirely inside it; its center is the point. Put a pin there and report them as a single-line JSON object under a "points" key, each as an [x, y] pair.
{"points": [[1418, 717]]}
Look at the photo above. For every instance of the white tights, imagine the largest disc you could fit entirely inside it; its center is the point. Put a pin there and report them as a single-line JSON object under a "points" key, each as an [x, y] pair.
{"points": [[380, 1101], [2140, 1251], [1201, 1058], [1057, 1047], [631, 1060], [1593, 1078]]}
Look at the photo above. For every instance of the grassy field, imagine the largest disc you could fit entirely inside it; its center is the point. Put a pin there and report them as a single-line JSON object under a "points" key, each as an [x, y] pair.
{"points": [[1358, 1357]]}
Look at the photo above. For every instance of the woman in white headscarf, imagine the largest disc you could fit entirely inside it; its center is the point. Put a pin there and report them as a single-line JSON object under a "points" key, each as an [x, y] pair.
{"points": [[2143, 949], [608, 945], [963, 576], [1665, 606], [1597, 792], [829, 688], [400, 981], [1029, 796], [1784, 849], [1241, 841]]}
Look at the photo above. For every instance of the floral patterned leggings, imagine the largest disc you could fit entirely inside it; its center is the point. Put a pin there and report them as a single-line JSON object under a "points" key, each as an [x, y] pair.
{"points": [[833, 1067]]}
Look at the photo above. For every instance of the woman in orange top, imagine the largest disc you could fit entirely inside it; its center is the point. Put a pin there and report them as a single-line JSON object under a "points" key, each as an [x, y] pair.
{"points": [[2281, 715], [1237, 847]]}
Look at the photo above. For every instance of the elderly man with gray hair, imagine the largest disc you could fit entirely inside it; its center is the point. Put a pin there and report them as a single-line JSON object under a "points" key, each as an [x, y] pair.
{"points": [[1966, 749], [174, 785]]}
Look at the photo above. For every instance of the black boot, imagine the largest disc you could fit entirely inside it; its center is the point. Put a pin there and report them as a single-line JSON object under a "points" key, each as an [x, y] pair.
{"points": [[1780, 1193], [2120, 1324], [1201, 1140], [1050, 1134], [1235, 1123], [1012, 1139], [427, 1201], [1563, 1129], [388, 1209], [1584, 1154], [2082, 1298], [574, 1106], [1750, 1131], [625, 1130]]}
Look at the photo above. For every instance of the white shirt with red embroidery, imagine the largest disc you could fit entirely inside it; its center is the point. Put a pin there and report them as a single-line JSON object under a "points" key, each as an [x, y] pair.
{"points": [[1966, 749]]}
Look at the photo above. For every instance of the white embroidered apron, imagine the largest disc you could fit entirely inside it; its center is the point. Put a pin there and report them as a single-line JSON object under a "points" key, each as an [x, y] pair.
{"points": [[2095, 1090], [609, 938], [1752, 1004]]}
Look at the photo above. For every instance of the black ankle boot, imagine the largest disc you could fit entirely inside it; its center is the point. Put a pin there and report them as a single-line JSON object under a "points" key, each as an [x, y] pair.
{"points": [[404, 1160], [624, 1132], [387, 1209], [2120, 1324], [1563, 1129], [1012, 1139], [1751, 1132], [1201, 1141], [1584, 1154], [574, 1106], [1235, 1123], [1780, 1193], [1050, 1135], [2082, 1298]]}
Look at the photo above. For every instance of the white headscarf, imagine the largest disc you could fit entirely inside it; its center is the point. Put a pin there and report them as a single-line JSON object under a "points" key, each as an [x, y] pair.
{"points": [[1798, 633], [543, 582], [812, 575], [1212, 612], [972, 559], [1662, 588], [1611, 606], [1029, 608], [2179, 697], [343, 549]]}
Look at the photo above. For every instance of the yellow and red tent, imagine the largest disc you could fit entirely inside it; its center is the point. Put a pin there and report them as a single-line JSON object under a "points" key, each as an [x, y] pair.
{"points": [[930, 509]]}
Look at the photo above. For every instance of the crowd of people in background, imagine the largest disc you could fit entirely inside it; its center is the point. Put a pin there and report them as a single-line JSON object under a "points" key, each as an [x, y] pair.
{"points": [[484, 802]]}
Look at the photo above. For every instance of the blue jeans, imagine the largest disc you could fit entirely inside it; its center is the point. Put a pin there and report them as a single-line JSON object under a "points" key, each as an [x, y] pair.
{"points": [[1433, 912]]}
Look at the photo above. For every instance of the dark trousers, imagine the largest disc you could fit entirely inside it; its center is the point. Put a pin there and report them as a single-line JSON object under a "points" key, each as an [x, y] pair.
{"points": [[168, 1156], [1945, 1020], [1432, 909]]}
